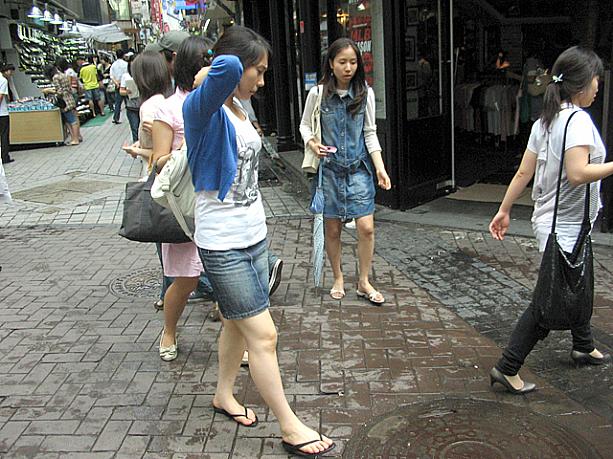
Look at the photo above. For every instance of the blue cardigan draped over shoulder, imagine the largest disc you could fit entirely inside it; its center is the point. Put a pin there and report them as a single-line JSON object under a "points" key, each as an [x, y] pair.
{"points": [[209, 134]]}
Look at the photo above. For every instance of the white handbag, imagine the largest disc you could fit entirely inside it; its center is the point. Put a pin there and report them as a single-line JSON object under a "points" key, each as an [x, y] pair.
{"points": [[310, 163], [173, 188]]}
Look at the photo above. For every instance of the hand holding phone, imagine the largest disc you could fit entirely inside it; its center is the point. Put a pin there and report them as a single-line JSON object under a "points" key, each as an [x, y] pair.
{"points": [[328, 149]]}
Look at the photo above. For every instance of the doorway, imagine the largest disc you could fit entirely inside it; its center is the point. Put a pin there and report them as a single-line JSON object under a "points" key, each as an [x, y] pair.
{"points": [[426, 117]]}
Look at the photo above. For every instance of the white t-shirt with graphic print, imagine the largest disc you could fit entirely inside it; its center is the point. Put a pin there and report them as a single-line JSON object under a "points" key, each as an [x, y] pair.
{"points": [[239, 221]]}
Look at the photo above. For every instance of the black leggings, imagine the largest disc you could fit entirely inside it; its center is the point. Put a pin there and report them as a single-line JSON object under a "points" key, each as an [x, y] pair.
{"points": [[527, 333]]}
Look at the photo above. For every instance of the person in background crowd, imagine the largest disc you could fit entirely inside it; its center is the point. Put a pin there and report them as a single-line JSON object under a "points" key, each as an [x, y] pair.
{"points": [[8, 74], [6, 71], [63, 65], [348, 124], [105, 68], [132, 101], [168, 45], [222, 148], [154, 84], [575, 75], [119, 67], [88, 73], [61, 88], [179, 261]]}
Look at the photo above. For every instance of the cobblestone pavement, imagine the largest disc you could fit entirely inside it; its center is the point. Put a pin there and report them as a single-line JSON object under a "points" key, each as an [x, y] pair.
{"points": [[490, 283], [80, 376], [85, 184]]}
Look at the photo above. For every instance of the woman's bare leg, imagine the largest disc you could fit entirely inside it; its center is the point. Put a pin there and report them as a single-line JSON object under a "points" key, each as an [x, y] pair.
{"points": [[333, 249], [174, 304], [260, 335]]}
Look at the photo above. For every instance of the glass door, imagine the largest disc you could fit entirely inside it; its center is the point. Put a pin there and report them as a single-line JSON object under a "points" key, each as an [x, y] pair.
{"points": [[428, 110]]}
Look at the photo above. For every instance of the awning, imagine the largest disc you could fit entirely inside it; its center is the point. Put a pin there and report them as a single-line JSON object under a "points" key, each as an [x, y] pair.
{"points": [[107, 33]]}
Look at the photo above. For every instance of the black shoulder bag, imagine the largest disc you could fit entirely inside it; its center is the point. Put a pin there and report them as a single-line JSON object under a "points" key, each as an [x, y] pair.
{"points": [[144, 220], [564, 294]]}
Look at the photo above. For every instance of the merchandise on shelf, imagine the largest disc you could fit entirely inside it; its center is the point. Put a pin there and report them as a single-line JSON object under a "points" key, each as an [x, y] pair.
{"points": [[31, 104], [37, 49]]}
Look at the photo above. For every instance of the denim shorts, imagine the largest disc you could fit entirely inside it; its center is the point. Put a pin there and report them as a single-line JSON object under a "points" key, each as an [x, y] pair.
{"points": [[69, 117], [239, 278], [92, 94]]}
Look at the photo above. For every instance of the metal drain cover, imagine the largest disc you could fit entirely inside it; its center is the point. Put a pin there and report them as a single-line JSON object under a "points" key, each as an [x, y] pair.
{"points": [[460, 428], [144, 283]]}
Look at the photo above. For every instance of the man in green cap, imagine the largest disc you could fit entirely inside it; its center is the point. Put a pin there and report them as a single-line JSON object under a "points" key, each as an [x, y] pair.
{"points": [[168, 45]]}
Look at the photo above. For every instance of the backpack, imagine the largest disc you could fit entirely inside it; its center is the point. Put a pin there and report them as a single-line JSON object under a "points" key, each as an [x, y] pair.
{"points": [[173, 188]]}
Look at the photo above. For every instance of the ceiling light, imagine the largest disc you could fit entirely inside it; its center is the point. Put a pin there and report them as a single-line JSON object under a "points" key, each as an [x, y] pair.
{"points": [[47, 16], [35, 12], [57, 19]]}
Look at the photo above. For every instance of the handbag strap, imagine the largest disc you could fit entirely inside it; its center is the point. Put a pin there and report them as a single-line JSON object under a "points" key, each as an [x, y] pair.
{"points": [[586, 210], [320, 175]]}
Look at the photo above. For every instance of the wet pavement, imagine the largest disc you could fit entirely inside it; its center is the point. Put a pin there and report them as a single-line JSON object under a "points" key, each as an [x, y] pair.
{"points": [[80, 376]]}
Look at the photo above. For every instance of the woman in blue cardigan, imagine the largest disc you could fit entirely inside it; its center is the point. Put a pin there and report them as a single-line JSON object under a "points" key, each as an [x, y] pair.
{"points": [[223, 149]]}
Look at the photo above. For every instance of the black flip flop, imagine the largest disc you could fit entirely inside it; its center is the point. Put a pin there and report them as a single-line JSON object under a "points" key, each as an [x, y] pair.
{"points": [[296, 451], [234, 416]]}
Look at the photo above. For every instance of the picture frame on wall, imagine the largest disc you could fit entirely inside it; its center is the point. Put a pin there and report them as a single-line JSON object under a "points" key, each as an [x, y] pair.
{"points": [[411, 79], [412, 16], [409, 49]]}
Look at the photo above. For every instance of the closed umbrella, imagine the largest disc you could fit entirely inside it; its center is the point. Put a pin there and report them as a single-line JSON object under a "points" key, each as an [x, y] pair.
{"points": [[317, 208]]}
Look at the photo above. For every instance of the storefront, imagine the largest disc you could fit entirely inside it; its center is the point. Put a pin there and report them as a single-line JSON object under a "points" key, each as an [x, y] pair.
{"points": [[431, 64]]}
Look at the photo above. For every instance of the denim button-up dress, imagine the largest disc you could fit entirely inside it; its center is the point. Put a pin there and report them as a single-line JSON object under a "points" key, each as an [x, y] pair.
{"points": [[348, 184]]}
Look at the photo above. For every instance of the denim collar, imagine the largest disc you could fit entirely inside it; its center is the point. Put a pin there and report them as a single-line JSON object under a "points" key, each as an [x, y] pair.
{"points": [[349, 94]]}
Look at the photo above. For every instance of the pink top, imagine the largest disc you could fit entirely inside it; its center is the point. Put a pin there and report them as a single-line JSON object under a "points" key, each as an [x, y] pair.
{"points": [[171, 113], [148, 110]]}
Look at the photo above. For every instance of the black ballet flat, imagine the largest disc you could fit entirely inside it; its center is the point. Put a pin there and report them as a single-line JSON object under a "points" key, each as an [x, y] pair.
{"points": [[497, 377], [584, 358]]}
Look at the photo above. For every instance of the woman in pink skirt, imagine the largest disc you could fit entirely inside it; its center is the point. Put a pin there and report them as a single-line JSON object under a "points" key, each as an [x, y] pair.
{"points": [[181, 261]]}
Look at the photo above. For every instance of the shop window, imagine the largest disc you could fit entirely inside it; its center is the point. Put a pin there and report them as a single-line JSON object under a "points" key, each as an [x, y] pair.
{"points": [[362, 21], [422, 56]]}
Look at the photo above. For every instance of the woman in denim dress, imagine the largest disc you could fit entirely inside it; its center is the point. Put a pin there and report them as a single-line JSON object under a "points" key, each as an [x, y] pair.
{"points": [[348, 125]]}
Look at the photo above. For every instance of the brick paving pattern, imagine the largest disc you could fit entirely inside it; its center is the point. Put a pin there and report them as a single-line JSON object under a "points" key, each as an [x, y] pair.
{"points": [[80, 376]]}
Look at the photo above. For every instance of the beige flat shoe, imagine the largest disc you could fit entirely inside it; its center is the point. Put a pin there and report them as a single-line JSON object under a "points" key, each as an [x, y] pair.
{"points": [[375, 297], [337, 294]]}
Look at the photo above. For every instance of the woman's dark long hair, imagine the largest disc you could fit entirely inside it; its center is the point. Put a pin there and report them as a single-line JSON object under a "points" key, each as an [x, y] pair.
{"points": [[192, 55], [247, 45], [62, 64], [577, 67], [50, 71], [151, 75], [358, 82]]}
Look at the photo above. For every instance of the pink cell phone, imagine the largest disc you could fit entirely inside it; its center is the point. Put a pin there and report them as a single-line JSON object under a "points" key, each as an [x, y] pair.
{"points": [[329, 149]]}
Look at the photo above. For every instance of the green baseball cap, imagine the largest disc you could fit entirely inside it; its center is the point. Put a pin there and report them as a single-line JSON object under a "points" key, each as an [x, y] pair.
{"points": [[170, 41]]}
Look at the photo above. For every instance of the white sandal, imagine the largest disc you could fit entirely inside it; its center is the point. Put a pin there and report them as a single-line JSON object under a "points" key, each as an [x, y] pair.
{"points": [[169, 353], [371, 297]]}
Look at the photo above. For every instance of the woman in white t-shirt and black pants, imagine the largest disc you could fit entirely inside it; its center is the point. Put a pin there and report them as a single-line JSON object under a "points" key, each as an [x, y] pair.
{"points": [[222, 150], [576, 74]]}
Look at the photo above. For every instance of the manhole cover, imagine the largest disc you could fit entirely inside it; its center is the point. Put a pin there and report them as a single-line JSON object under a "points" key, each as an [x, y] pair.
{"points": [[459, 428], [64, 191], [144, 283]]}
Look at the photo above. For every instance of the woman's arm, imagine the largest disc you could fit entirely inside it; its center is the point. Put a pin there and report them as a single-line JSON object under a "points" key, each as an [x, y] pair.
{"points": [[221, 80], [162, 136], [383, 179], [578, 169], [501, 221], [306, 130], [370, 124]]}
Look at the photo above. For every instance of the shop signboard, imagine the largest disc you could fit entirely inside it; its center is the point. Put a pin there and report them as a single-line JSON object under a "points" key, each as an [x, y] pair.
{"points": [[310, 80], [360, 31]]}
